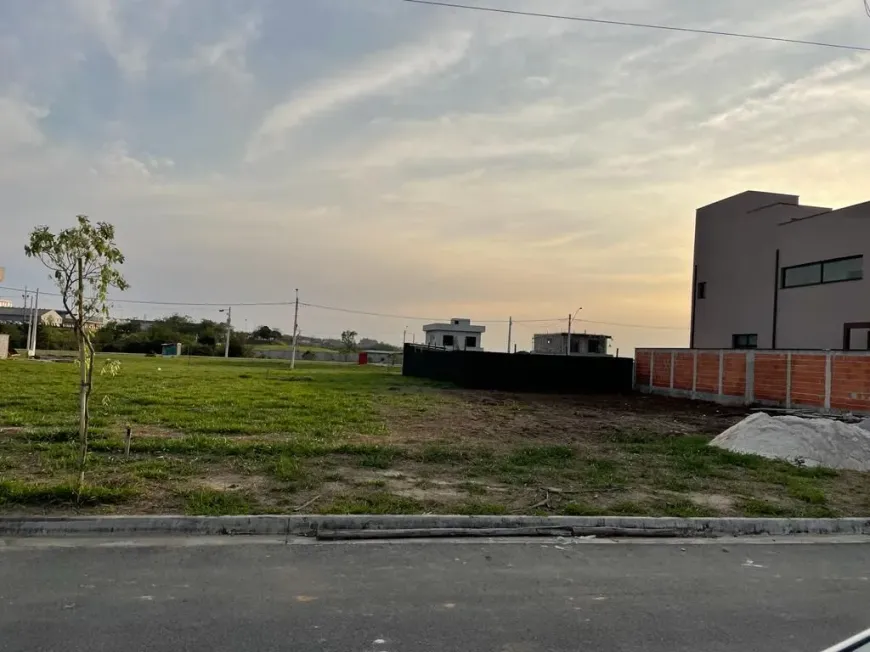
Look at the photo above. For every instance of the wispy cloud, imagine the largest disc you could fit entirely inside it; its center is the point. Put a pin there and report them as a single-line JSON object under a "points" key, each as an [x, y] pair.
{"points": [[129, 51], [389, 71], [822, 85], [442, 161], [228, 54], [19, 123]]}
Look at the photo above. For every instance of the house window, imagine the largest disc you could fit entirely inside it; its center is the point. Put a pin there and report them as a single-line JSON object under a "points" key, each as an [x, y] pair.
{"points": [[826, 271], [471, 342], [447, 340], [793, 277], [744, 341], [845, 269], [594, 346], [702, 290]]}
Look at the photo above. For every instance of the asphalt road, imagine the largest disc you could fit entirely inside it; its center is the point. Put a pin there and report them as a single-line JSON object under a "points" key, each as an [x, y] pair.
{"points": [[431, 596]]}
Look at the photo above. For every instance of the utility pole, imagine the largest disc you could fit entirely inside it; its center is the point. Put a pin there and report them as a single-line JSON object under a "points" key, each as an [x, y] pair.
{"points": [[405, 335], [510, 332], [34, 319], [295, 331], [229, 331]]}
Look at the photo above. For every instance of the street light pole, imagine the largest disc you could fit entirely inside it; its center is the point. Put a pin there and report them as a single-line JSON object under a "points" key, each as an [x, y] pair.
{"points": [[570, 319], [229, 331]]}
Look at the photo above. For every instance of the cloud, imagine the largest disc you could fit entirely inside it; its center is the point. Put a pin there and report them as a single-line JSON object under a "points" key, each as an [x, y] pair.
{"points": [[824, 86], [228, 54], [129, 51], [483, 165], [389, 71], [19, 124]]}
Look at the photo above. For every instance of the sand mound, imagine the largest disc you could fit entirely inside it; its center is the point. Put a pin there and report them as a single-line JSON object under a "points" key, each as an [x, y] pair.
{"points": [[812, 442]]}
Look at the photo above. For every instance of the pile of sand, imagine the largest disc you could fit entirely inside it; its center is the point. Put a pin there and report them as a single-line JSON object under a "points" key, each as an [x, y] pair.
{"points": [[811, 442]]}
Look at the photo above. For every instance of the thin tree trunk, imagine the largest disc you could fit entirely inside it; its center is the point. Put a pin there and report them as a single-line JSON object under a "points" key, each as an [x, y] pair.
{"points": [[84, 376]]}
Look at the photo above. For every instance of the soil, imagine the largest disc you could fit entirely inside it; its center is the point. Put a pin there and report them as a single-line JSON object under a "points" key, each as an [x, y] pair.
{"points": [[493, 418]]}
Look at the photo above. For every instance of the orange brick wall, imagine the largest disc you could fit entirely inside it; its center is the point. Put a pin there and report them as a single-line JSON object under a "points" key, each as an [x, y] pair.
{"points": [[734, 374], [662, 369], [808, 379], [641, 368], [850, 383], [684, 369], [708, 373], [770, 377]]}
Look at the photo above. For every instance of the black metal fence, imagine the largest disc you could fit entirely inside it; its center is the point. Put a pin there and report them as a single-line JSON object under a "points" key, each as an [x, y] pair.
{"points": [[520, 372]]}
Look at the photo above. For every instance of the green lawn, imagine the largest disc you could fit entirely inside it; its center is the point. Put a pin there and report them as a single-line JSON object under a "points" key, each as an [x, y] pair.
{"points": [[212, 436], [208, 396], [281, 346]]}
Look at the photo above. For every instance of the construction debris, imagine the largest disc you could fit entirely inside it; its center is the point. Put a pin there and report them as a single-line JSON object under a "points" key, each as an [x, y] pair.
{"points": [[802, 441]]}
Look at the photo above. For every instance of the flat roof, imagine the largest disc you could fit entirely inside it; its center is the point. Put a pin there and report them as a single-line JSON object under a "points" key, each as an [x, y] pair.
{"points": [[573, 334], [467, 328]]}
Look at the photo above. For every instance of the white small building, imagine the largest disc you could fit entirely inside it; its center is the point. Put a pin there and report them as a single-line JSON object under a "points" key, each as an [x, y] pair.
{"points": [[458, 335]]}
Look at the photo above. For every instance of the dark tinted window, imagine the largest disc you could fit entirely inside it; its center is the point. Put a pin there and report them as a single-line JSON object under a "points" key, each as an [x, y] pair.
{"points": [[826, 271], [803, 275], [744, 341], [848, 269]]}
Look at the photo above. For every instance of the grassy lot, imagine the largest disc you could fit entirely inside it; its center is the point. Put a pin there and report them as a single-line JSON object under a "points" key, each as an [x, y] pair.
{"points": [[219, 437], [281, 346]]}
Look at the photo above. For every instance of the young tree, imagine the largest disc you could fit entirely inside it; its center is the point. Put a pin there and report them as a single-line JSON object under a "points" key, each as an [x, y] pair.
{"points": [[84, 264], [348, 341]]}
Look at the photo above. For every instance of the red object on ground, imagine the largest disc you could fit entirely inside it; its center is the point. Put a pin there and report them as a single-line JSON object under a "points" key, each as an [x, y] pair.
{"points": [[363, 357]]}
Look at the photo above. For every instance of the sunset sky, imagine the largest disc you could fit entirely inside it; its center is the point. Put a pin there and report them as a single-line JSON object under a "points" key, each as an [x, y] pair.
{"points": [[412, 160]]}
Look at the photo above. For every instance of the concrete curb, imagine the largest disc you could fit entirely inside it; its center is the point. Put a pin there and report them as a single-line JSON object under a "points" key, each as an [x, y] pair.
{"points": [[27, 526]]}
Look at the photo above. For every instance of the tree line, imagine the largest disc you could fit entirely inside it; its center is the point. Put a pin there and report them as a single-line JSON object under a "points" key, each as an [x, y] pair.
{"points": [[204, 337]]}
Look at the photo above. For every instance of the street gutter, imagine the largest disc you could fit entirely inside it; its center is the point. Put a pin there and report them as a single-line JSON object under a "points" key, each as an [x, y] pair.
{"points": [[408, 526]]}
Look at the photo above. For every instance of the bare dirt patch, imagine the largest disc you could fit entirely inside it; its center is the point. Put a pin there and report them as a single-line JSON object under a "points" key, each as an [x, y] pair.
{"points": [[499, 418]]}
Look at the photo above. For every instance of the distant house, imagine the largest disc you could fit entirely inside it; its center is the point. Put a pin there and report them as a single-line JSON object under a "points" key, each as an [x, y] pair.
{"points": [[10, 315], [91, 324], [581, 344], [458, 335], [375, 356]]}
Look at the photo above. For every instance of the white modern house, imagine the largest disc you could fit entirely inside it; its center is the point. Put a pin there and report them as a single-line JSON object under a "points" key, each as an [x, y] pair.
{"points": [[458, 335]]}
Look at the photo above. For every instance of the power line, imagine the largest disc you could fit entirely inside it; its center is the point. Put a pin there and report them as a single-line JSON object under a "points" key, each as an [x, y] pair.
{"points": [[623, 23], [409, 318], [243, 304], [183, 304], [224, 304], [610, 323], [369, 314]]}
